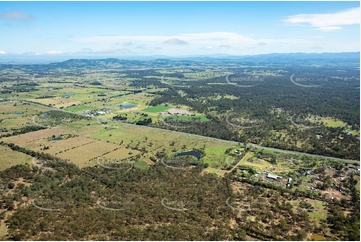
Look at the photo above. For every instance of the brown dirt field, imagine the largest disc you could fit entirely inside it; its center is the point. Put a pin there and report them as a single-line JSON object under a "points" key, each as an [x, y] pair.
{"points": [[57, 102], [22, 139], [60, 145], [122, 153], [149, 162], [83, 154]]}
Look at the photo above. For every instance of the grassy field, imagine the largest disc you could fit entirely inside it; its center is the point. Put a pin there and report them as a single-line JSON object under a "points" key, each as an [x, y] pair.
{"points": [[121, 153], [319, 213], [141, 164], [333, 123], [26, 140], [9, 158], [201, 117], [79, 108], [156, 109], [215, 156], [3, 230], [81, 155]]}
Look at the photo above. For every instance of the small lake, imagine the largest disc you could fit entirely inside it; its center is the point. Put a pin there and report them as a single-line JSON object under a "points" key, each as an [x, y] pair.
{"points": [[129, 105], [58, 138], [17, 112], [68, 95], [45, 115], [192, 153]]}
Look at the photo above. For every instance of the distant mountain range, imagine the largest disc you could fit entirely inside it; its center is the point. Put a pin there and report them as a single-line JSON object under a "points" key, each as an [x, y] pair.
{"points": [[276, 57]]}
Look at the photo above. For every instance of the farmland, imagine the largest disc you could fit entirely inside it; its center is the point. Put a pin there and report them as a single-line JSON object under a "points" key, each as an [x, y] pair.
{"points": [[303, 162], [156, 109]]}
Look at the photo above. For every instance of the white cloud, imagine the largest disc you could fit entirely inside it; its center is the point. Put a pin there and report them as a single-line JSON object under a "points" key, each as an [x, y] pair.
{"points": [[2, 52], [328, 21], [225, 42], [222, 39], [54, 52], [200, 43], [17, 15], [175, 41]]}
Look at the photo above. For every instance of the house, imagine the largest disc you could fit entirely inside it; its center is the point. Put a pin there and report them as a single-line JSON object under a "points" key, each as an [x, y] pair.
{"points": [[274, 177]]}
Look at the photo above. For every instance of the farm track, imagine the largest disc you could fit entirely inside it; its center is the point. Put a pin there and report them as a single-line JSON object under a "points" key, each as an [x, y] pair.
{"points": [[201, 136], [244, 158]]}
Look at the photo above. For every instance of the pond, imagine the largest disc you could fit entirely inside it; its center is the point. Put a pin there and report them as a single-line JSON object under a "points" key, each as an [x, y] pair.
{"points": [[129, 105], [17, 112], [45, 115], [66, 95], [192, 153], [58, 138]]}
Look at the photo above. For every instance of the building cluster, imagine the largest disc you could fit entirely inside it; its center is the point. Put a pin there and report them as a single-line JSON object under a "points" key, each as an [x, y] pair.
{"points": [[92, 113]]}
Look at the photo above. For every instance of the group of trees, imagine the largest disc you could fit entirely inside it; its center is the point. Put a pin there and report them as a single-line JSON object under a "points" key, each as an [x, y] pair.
{"points": [[145, 217], [260, 102], [160, 203]]}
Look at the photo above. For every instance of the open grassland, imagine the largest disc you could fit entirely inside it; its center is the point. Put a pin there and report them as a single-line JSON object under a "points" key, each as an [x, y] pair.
{"points": [[57, 102], [141, 164], [156, 109], [79, 108], [3, 230], [56, 146], [320, 211], [25, 140], [10, 123], [81, 155], [17, 116], [145, 136], [121, 153], [333, 123], [9, 158], [258, 164], [202, 118], [216, 156]]}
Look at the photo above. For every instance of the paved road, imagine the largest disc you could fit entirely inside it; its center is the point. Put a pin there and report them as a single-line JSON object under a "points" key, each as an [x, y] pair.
{"points": [[201, 136]]}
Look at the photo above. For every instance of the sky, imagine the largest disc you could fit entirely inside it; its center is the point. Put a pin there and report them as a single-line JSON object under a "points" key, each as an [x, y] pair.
{"points": [[118, 29]]}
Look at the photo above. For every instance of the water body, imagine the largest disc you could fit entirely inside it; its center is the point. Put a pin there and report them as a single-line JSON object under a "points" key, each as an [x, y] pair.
{"points": [[68, 95], [45, 115], [58, 138], [126, 106], [18, 112], [192, 153]]}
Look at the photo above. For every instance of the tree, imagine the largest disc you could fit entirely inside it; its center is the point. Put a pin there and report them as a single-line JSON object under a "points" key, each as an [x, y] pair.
{"points": [[11, 185]]}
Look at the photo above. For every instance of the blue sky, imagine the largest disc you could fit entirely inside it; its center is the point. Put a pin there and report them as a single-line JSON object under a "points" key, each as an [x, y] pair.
{"points": [[177, 28]]}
